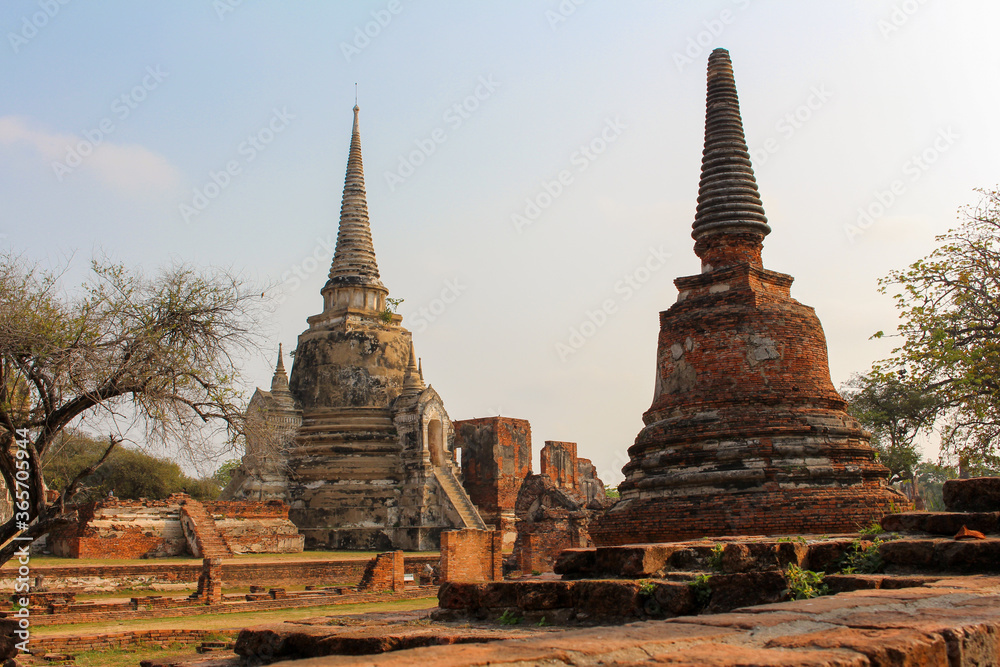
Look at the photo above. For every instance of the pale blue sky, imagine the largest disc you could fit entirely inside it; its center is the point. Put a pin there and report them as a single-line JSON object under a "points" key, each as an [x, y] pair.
{"points": [[886, 81]]}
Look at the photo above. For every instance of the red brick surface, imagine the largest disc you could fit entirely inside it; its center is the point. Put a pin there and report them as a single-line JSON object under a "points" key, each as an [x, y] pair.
{"points": [[471, 555]]}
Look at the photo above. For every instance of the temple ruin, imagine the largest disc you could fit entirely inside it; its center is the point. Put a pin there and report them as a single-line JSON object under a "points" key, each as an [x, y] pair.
{"points": [[746, 434], [370, 464]]}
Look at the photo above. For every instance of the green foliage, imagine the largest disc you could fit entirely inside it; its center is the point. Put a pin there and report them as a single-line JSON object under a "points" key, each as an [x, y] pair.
{"points": [[715, 558], [128, 473], [612, 492], [872, 529], [542, 622], [949, 333], [390, 309], [224, 474], [508, 617], [804, 584], [647, 588], [895, 410], [702, 590], [863, 557]]}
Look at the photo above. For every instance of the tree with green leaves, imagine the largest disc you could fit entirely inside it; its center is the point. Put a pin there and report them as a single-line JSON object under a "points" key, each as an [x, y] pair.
{"points": [[949, 305], [895, 411], [125, 350], [127, 473]]}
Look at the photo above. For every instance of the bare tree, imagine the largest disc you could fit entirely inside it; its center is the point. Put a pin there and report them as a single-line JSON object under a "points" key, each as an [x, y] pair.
{"points": [[124, 347]]}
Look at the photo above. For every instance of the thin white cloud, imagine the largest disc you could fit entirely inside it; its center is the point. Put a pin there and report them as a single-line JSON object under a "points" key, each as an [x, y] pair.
{"points": [[129, 168]]}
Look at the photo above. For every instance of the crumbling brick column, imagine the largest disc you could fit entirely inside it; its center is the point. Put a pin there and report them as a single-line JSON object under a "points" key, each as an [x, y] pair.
{"points": [[210, 582], [384, 573]]}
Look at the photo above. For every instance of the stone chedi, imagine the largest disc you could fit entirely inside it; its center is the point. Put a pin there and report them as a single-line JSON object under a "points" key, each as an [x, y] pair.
{"points": [[371, 465], [746, 434], [272, 421]]}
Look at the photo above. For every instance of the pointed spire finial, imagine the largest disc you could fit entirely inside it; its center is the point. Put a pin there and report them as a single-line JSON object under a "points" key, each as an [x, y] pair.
{"points": [[279, 382], [413, 381], [420, 368], [728, 200], [354, 259]]}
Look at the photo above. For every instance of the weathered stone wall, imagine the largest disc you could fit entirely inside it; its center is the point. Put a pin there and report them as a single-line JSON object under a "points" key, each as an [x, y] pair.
{"points": [[496, 457], [127, 529], [471, 555], [559, 463]]}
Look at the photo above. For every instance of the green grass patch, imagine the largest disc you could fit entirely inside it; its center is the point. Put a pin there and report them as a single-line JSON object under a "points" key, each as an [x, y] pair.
{"points": [[236, 620]]}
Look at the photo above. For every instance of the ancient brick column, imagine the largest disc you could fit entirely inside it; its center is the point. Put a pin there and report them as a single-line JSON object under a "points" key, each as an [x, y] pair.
{"points": [[746, 433]]}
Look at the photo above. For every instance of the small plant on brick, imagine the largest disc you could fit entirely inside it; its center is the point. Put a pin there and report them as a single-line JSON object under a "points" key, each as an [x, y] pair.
{"points": [[508, 617], [390, 308], [863, 559], [647, 588], [542, 622], [536, 572], [872, 529], [715, 558], [804, 584], [702, 590]]}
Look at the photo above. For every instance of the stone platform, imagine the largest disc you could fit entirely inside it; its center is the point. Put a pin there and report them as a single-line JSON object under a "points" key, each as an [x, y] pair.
{"points": [[952, 621]]}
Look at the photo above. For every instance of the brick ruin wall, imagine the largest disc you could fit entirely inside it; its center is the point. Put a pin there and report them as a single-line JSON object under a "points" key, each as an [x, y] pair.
{"points": [[471, 555], [558, 462], [116, 577], [128, 529], [549, 520], [496, 457], [385, 572]]}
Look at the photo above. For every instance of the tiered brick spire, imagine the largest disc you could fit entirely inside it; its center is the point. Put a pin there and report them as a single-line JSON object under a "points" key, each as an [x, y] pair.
{"points": [[730, 224], [354, 265], [354, 260], [746, 434]]}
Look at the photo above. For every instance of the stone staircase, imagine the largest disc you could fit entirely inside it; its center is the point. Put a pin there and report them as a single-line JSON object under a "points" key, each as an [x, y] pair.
{"points": [[459, 498], [208, 540]]}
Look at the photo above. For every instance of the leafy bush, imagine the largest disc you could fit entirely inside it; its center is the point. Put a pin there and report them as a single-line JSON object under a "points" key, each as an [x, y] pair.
{"points": [[804, 584]]}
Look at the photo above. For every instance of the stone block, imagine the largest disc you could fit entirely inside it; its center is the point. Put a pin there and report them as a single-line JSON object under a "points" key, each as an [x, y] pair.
{"points": [[979, 494]]}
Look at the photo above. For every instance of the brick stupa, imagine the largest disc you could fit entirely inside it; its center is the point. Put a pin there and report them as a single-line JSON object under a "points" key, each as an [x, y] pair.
{"points": [[372, 463], [746, 434]]}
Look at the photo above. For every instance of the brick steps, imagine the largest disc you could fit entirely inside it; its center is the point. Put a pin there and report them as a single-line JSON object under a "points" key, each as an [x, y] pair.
{"points": [[459, 498], [209, 541]]}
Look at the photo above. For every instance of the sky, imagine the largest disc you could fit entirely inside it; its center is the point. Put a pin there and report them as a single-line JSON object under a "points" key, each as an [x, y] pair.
{"points": [[532, 166]]}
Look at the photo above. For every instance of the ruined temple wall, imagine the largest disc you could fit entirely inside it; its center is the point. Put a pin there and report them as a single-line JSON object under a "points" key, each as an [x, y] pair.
{"points": [[128, 529], [496, 457], [559, 463]]}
